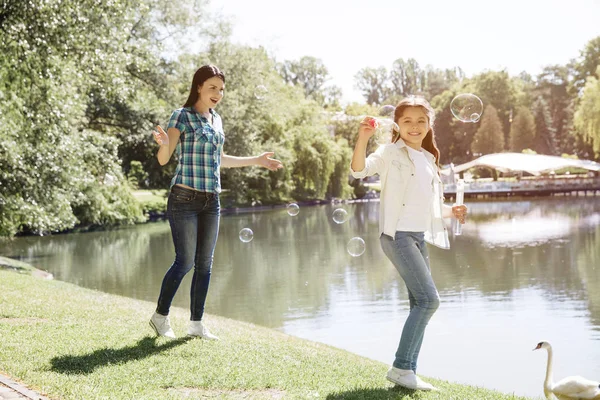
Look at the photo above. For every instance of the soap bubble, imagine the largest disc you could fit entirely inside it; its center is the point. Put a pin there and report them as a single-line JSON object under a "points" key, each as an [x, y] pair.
{"points": [[340, 216], [467, 107], [384, 124], [260, 92], [293, 209], [387, 111], [356, 247], [246, 235]]}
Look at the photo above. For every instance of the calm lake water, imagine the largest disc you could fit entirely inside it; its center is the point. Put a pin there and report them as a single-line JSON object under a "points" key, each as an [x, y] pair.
{"points": [[521, 272]]}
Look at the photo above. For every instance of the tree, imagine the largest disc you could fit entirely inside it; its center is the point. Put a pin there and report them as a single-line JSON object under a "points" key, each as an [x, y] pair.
{"points": [[489, 138], [553, 86], [74, 75], [522, 130], [332, 98], [587, 64], [308, 72], [497, 89], [453, 137], [311, 74], [587, 116], [373, 83], [437, 81], [407, 78], [545, 137]]}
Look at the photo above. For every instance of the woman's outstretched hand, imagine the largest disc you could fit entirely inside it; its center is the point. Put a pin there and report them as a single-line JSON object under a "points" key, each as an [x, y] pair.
{"points": [[265, 160], [160, 136], [460, 212]]}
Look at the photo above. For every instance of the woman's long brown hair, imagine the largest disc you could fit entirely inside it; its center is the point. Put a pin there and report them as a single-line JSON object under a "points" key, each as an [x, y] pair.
{"points": [[203, 73], [429, 140]]}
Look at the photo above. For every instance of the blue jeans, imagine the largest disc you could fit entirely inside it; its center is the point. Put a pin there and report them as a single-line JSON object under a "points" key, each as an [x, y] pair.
{"points": [[408, 252], [194, 219]]}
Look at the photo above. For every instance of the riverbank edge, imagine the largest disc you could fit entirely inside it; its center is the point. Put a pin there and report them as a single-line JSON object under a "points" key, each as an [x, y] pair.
{"points": [[330, 373], [156, 215], [21, 267]]}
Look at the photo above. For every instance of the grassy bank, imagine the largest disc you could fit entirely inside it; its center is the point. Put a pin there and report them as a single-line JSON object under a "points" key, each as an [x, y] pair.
{"points": [[8, 264], [151, 195], [153, 202], [73, 343]]}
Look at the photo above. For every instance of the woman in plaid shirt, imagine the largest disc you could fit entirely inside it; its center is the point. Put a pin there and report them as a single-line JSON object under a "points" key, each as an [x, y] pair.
{"points": [[193, 207]]}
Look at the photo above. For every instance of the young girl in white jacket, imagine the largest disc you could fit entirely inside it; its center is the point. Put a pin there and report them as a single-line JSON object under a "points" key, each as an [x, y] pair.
{"points": [[410, 214]]}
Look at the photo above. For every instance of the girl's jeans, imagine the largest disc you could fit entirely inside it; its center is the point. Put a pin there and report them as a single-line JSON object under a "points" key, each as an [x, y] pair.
{"points": [[194, 220], [408, 252]]}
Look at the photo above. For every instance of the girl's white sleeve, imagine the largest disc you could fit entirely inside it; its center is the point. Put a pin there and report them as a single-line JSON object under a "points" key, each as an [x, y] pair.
{"points": [[374, 164]]}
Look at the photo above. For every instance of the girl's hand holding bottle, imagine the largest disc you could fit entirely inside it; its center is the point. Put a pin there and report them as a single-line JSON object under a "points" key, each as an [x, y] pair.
{"points": [[460, 212]]}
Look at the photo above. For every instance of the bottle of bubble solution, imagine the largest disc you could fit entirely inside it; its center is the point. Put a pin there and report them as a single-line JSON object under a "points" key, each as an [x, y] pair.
{"points": [[460, 195]]}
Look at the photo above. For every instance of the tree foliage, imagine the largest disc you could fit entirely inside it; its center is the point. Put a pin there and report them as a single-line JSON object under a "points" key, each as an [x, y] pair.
{"points": [[587, 64], [74, 75], [553, 85], [587, 116], [373, 83], [522, 130], [453, 137], [404, 79], [545, 134], [311, 75], [489, 138]]}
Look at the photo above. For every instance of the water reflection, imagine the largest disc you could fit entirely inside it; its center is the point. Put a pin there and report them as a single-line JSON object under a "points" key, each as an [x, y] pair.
{"points": [[521, 272]]}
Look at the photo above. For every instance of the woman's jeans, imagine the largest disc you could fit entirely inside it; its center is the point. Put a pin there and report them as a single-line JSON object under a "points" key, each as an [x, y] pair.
{"points": [[194, 220], [408, 252]]}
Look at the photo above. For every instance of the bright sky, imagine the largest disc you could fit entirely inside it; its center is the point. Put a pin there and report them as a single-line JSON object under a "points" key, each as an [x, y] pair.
{"points": [[519, 35]]}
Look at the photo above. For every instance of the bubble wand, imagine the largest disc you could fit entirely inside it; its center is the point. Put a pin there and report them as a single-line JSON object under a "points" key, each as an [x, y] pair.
{"points": [[460, 194], [384, 124]]}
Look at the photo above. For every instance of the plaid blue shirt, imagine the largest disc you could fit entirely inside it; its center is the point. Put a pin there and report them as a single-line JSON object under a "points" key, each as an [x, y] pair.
{"points": [[198, 150]]}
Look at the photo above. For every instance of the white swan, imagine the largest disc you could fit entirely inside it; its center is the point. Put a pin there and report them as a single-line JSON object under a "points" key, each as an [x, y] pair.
{"points": [[570, 388]]}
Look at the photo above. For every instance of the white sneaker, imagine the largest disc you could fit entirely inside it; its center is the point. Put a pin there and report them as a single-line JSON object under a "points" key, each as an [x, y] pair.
{"points": [[426, 386], [161, 325], [196, 328], [407, 378], [403, 377]]}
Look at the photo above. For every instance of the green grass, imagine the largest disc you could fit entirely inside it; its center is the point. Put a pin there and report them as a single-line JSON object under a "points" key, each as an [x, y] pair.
{"points": [[150, 196], [69, 342], [152, 201]]}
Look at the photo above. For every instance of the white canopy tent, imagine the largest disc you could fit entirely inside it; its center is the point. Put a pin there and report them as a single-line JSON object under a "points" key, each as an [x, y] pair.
{"points": [[535, 164]]}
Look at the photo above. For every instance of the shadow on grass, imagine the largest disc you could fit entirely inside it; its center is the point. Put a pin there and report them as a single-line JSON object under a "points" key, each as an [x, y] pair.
{"points": [[392, 393], [87, 363]]}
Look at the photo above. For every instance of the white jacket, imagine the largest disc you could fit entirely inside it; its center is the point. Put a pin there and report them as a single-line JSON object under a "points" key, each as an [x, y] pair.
{"points": [[396, 169]]}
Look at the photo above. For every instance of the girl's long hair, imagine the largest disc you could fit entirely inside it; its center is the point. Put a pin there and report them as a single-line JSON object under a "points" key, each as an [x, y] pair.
{"points": [[204, 73], [429, 140]]}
